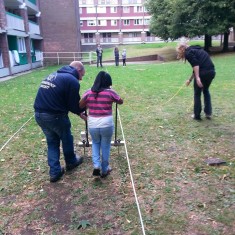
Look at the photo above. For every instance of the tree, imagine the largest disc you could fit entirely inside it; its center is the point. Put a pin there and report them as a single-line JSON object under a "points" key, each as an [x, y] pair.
{"points": [[172, 19]]}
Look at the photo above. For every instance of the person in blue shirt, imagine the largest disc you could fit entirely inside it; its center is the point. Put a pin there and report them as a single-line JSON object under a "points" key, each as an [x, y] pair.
{"points": [[203, 74], [58, 95]]}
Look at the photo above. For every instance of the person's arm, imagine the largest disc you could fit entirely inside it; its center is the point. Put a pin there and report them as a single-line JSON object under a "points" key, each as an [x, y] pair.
{"points": [[82, 104], [190, 79], [192, 57], [120, 101], [115, 97], [196, 75], [73, 97]]}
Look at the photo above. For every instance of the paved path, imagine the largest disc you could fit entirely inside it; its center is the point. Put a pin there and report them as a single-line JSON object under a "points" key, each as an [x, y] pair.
{"points": [[14, 76]]}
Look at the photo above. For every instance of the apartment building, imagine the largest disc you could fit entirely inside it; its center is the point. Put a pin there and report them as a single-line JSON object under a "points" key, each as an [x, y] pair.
{"points": [[114, 22], [20, 36]]}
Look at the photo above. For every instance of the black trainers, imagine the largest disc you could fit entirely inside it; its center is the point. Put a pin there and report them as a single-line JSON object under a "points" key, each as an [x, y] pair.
{"points": [[54, 179], [73, 166], [96, 172], [196, 118], [103, 175]]}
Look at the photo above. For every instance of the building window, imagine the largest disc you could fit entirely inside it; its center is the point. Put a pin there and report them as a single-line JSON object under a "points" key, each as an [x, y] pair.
{"points": [[146, 21], [101, 9], [91, 23], [21, 45], [1, 60], [138, 22], [106, 35], [107, 2], [88, 37], [90, 10], [126, 9], [31, 46], [133, 35], [138, 9], [131, 1], [102, 22], [113, 9], [113, 22], [81, 22], [80, 10], [126, 22]]}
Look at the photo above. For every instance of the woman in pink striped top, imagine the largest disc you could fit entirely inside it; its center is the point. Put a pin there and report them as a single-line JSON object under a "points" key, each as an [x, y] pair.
{"points": [[99, 100]]}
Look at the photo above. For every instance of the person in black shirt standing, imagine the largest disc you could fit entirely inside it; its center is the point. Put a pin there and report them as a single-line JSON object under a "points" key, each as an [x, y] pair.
{"points": [[203, 74]]}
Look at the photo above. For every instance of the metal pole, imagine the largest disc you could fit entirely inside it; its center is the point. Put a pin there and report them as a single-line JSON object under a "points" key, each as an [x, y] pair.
{"points": [[115, 139], [87, 141]]}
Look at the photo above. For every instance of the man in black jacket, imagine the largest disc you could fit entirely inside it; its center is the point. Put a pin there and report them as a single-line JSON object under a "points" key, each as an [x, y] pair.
{"points": [[203, 74], [58, 94]]}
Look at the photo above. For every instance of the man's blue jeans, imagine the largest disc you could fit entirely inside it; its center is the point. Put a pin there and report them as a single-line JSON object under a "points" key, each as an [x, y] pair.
{"points": [[101, 142], [206, 79], [57, 127]]}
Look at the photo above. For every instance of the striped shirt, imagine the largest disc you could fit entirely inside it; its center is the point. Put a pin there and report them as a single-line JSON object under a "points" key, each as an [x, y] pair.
{"points": [[101, 106]]}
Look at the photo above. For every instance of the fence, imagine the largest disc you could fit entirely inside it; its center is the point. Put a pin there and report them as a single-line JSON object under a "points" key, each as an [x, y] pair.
{"points": [[66, 57]]}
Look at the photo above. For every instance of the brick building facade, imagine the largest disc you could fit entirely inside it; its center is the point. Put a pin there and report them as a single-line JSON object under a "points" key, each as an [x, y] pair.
{"points": [[20, 36], [60, 25]]}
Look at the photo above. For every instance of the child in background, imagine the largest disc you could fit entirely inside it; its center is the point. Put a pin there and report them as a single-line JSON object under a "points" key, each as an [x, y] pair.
{"points": [[99, 101], [124, 57]]}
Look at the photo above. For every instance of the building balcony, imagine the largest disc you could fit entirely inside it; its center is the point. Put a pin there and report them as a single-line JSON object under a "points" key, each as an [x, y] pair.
{"points": [[109, 40], [14, 22], [34, 28], [131, 39], [13, 4], [32, 7]]}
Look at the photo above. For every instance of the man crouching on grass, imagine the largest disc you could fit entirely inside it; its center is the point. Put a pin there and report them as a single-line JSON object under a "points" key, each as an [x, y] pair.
{"points": [[58, 94]]}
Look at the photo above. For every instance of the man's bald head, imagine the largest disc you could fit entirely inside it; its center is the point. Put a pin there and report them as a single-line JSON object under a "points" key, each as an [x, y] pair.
{"points": [[79, 67]]}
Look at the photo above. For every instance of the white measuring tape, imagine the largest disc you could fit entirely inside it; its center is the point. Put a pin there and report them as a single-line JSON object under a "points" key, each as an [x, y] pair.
{"points": [[132, 181], [14, 134]]}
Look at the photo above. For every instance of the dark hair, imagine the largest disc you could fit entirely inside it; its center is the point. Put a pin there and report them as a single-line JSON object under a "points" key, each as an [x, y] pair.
{"points": [[103, 81]]}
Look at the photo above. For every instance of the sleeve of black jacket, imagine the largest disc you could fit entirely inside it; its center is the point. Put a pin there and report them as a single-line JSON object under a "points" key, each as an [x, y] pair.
{"points": [[73, 98]]}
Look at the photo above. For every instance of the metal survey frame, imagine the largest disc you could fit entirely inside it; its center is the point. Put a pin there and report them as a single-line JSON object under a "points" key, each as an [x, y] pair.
{"points": [[85, 140]]}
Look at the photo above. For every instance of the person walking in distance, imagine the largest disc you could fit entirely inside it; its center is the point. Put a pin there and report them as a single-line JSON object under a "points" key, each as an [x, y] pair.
{"points": [[99, 52], [203, 74], [58, 95], [99, 101]]}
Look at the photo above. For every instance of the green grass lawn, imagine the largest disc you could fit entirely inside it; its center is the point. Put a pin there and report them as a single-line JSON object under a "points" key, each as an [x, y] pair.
{"points": [[177, 191]]}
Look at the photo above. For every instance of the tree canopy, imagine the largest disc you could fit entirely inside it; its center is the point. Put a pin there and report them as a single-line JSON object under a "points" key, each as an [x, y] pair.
{"points": [[172, 19]]}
